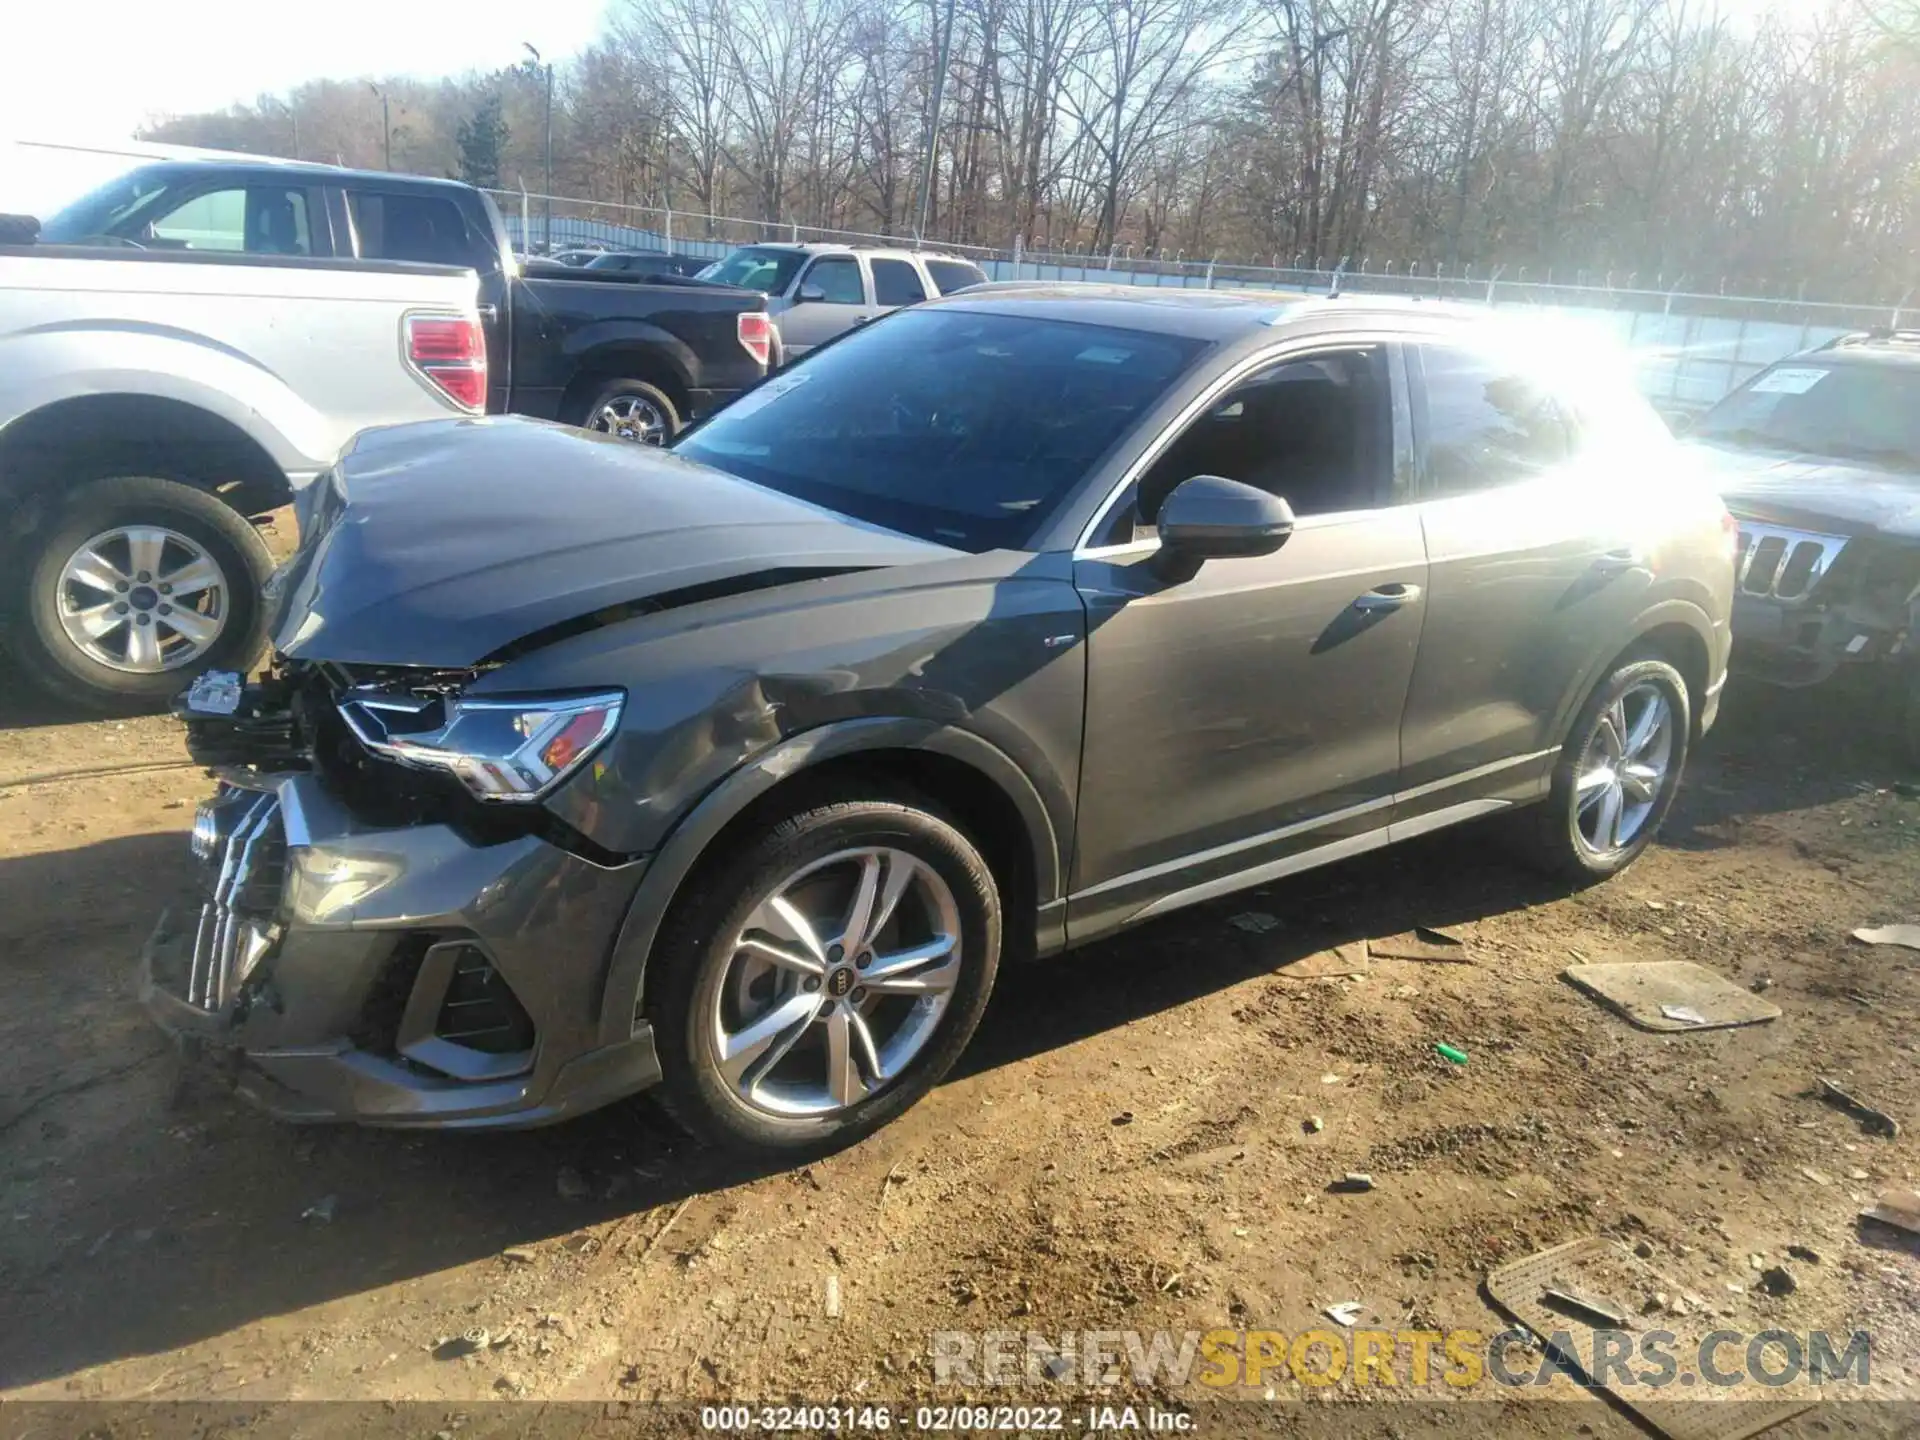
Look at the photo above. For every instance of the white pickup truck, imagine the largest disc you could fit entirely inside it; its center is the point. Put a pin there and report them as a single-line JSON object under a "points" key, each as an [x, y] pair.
{"points": [[153, 404]]}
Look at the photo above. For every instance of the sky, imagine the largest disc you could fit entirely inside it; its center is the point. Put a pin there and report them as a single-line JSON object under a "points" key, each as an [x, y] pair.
{"points": [[97, 80]]}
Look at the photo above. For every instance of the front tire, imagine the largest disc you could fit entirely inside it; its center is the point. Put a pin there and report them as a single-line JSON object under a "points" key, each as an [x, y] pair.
{"points": [[136, 586], [820, 981], [1617, 775]]}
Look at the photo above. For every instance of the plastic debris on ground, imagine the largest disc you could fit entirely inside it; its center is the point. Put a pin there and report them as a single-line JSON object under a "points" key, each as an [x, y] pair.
{"points": [[1904, 935], [1643, 990], [1421, 943], [1872, 1120]]}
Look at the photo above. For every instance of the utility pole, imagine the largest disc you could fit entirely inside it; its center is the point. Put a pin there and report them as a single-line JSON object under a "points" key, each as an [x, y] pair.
{"points": [[546, 202], [933, 123], [386, 124]]}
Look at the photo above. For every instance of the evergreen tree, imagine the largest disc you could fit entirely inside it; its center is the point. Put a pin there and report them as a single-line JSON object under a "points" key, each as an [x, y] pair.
{"points": [[481, 137]]}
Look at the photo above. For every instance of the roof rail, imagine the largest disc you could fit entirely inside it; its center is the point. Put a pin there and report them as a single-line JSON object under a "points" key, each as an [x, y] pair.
{"points": [[1875, 335]]}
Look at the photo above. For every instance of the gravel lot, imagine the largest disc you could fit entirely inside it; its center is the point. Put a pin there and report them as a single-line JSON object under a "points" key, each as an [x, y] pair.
{"points": [[1129, 1145]]}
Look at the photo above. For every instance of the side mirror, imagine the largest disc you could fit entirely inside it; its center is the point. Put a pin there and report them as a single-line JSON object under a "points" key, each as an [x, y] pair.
{"points": [[812, 294], [1212, 518], [1682, 424]]}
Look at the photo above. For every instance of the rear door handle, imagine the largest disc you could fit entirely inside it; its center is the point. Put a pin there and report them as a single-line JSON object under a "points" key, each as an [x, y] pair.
{"points": [[1618, 562], [1388, 597]]}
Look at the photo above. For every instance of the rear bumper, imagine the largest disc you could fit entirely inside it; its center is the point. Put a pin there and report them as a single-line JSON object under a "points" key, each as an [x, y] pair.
{"points": [[398, 977]]}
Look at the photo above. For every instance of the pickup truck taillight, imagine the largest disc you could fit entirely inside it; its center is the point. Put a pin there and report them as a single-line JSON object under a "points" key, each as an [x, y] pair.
{"points": [[449, 352], [756, 333]]}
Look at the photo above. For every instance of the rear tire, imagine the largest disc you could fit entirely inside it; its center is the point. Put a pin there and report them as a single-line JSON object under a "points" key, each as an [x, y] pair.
{"points": [[146, 651], [632, 410], [1611, 791], [707, 992]]}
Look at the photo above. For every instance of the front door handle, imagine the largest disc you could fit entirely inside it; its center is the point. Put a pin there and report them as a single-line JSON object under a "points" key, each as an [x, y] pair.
{"points": [[1387, 597]]}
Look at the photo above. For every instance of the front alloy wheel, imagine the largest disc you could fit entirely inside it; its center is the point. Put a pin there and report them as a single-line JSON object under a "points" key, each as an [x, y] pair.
{"points": [[823, 975], [837, 982]]}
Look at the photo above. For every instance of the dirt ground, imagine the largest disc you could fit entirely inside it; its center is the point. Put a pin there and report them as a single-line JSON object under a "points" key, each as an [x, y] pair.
{"points": [[1128, 1146]]}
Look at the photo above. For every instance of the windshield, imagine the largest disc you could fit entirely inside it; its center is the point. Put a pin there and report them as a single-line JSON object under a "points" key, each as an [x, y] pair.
{"points": [[769, 271], [967, 430], [109, 209], [1849, 411]]}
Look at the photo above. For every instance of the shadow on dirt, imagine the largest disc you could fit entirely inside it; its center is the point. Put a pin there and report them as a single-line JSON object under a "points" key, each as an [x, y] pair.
{"points": [[1781, 750], [144, 1214]]}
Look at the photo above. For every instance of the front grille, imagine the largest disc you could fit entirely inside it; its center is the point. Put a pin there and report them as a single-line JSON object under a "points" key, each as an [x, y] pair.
{"points": [[1783, 564], [237, 926]]}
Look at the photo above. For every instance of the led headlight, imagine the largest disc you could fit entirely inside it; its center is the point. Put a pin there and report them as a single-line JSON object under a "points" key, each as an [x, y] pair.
{"points": [[504, 749]]}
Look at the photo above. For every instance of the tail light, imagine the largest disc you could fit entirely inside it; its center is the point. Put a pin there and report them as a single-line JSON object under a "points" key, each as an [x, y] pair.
{"points": [[756, 334], [449, 352]]}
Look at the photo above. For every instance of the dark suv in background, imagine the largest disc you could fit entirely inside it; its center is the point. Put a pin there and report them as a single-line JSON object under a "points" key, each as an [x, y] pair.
{"points": [[1819, 459], [1016, 618]]}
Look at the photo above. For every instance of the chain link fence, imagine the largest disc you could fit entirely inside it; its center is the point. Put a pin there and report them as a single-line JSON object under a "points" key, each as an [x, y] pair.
{"points": [[1691, 346]]}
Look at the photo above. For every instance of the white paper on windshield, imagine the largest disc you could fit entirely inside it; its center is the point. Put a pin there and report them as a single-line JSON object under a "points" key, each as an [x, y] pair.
{"points": [[1788, 382], [1105, 355], [765, 392]]}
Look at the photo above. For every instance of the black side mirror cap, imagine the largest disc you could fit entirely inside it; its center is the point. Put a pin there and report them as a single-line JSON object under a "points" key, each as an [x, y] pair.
{"points": [[1210, 517]]}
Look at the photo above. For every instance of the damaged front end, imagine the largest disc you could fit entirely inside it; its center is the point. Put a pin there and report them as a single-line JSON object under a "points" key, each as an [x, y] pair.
{"points": [[387, 926], [1807, 602]]}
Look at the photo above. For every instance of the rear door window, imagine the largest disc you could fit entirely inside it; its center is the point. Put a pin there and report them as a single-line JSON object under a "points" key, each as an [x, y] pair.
{"points": [[896, 282], [1487, 423], [425, 229]]}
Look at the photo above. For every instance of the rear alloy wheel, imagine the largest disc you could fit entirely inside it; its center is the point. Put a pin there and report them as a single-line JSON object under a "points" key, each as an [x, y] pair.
{"points": [[632, 410], [1618, 773], [827, 979]]}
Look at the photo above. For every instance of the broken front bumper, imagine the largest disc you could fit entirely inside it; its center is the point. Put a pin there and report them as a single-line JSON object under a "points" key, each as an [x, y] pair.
{"points": [[395, 977], [1795, 625]]}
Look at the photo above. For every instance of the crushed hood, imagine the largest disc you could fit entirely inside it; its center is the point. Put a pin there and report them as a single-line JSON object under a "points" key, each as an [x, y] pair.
{"points": [[442, 543], [1815, 492]]}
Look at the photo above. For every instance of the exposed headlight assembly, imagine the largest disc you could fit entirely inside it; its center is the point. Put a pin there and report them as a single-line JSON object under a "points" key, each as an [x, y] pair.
{"points": [[512, 750]]}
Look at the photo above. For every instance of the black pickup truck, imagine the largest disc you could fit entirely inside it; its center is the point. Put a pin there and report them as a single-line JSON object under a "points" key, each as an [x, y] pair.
{"points": [[635, 355]]}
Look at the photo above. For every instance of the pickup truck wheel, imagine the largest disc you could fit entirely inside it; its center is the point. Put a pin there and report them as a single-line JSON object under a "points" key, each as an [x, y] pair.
{"points": [[632, 410], [823, 977], [138, 585]]}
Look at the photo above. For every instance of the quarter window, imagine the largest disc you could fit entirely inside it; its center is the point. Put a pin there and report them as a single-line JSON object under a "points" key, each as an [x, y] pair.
{"points": [[1487, 423], [952, 275], [895, 282], [839, 278]]}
